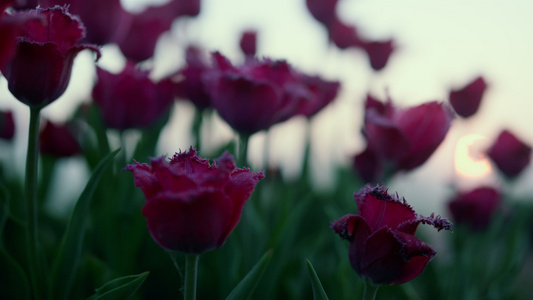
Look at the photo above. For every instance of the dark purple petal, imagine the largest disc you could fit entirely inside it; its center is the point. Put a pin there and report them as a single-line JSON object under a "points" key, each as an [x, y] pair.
{"points": [[313, 94], [130, 99], [322, 10], [59, 27], [190, 83], [248, 42], [58, 140], [350, 226], [190, 225], [379, 53], [5, 4], [466, 101], [368, 166], [10, 28], [385, 137], [145, 179], [393, 257], [476, 207], [372, 103], [145, 28], [7, 125], [510, 154], [343, 35], [425, 126], [380, 209], [437, 222]]}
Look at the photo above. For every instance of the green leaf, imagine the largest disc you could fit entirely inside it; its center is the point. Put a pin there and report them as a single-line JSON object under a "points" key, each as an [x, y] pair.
{"points": [[68, 257], [247, 285], [13, 281], [4, 209], [120, 288], [318, 290]]}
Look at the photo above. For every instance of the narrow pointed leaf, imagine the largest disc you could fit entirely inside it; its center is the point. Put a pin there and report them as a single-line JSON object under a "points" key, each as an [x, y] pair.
{"points": [[67, 260], [318, 290], [13, 281], [248, 284], [120, 288], [4, 208]]}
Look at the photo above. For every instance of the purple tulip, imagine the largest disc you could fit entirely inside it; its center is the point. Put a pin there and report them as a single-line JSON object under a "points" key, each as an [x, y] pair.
{"points": [[251, 97], [130, 99], [466, 101], [343, 35], [191, 205], [248, 42], [378, 53], [40, 69], [261, 93], [58, 140], [475, 208], [403, 139], [383, 245], [323, 11], [510, 154], [312, 94], [190, 83], [7, 125], [146, 27]]}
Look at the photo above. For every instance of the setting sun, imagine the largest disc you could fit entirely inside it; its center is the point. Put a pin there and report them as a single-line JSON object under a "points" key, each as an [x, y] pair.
{"points": [[469, 160]]}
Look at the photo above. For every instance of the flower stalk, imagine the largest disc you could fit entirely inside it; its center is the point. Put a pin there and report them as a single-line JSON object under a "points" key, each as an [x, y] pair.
{"points": [[191, 271], [31, 201], [242, 149], [370, 291]]}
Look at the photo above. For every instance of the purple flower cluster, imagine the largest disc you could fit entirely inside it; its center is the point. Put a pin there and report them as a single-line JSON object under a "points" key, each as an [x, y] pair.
{"points": [[255, 95], [345, 35]]}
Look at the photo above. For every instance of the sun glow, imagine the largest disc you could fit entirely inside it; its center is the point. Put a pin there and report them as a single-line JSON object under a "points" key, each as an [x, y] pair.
{"points": [[470, 161]]}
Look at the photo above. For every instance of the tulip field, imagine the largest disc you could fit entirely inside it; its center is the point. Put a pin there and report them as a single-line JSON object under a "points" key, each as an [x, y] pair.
{"points": [[207, 221]]}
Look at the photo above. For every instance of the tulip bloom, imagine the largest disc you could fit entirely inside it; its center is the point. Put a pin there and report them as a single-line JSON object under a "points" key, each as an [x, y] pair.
{"points": [[383, 245], [378, 53], [145, 28], [402, 139], [58, 140], [261, 93], [475, 208], [323, 11], [248, 42], [191, 205], [313, 93], [252, 97], [190, 84], [40, 69], [130, 99], [466, 101], [510, 154], [7, 125]]}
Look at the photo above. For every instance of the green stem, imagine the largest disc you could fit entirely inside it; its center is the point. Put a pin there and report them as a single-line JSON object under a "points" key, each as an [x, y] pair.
{"points": [[32, 160], [197, 128], [370, 291], [242, 150], [191, 270]]}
